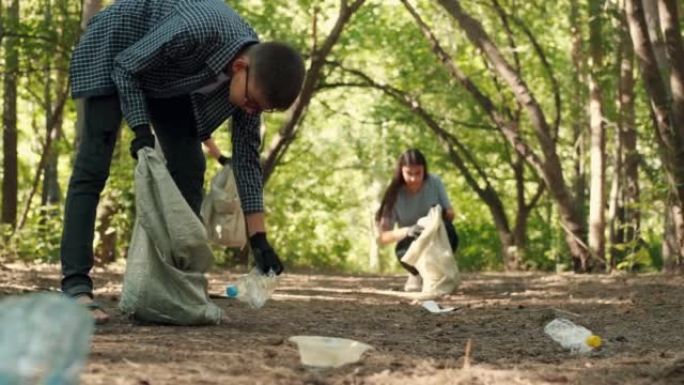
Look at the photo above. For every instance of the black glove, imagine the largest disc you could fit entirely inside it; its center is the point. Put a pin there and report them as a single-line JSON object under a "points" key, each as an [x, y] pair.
{"points": [[415, 231], [264, 255], [143, 138], [224, 160]]}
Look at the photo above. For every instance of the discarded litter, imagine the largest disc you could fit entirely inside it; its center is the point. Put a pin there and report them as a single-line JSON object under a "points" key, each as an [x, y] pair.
{"points": [[328, 352], [44, 339], [576, 338], [254, 288], [434, 307]]}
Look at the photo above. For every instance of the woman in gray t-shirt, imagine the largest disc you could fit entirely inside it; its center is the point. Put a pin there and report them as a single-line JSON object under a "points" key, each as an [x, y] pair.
{"points": [[409, 197]]}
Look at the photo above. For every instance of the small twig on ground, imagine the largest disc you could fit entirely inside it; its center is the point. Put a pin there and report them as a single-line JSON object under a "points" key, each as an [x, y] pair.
{"points": [[466, 354]]}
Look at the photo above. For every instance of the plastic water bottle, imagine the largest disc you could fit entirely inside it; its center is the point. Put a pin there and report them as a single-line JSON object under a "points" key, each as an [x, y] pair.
{"points": [[254, 288], [44, 339], [571, 336]]}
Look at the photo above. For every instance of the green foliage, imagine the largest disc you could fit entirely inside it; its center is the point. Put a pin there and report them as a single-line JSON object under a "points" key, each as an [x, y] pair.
{"points": [[323, 195], [478, 247], [37, 240], [546, 248], [637, 258]]}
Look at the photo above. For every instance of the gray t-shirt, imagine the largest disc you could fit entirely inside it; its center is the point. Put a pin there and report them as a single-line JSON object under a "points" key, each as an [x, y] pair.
{"points": [[409, 208]]}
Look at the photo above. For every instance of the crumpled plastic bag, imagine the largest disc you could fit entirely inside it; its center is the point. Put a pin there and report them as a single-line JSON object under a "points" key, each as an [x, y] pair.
{"points": [[44, 339], [432, 256], [221, 211], [169, 253]]}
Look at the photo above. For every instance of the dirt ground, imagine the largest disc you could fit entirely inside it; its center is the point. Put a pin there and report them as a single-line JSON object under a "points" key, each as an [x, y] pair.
{"points": [[639, 317]]}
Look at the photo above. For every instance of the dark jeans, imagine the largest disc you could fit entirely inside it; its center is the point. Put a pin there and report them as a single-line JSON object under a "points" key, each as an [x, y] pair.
{"points": [[403, 245], [174, 126]]}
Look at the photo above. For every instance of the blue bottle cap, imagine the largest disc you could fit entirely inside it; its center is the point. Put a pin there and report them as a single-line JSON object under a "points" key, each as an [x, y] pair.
{"points": [[232, 291]]}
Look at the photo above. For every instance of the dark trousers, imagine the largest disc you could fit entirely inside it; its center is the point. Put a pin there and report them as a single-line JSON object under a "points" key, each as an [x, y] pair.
{"points": [[403, 246], [174, 126]]}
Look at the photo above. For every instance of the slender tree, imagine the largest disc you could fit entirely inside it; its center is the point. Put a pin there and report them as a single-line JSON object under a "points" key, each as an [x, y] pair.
{"points": [[624, 203], [51, 189], [664, 105], [674, 47], [9, 118], [597, 195], [577, 107]]}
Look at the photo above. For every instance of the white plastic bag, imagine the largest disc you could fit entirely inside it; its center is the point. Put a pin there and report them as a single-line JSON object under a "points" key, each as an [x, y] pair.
{"points": [[221, 211], [432, 256]]}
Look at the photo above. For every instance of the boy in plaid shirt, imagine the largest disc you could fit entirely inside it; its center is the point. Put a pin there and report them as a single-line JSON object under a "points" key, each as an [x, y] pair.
{"points": [[182, 67]]}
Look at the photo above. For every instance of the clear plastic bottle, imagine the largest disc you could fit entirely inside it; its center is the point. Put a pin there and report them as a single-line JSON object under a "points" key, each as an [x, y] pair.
{"points": [[576, 338], [44, 339], [254, 288]]}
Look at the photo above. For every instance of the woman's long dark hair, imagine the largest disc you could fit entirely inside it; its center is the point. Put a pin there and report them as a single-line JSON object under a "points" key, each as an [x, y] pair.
{"points": [[412, 157]]}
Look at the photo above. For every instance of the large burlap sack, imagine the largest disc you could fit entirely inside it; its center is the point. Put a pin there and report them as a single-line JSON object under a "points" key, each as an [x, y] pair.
{"points": [[221, 211], [432, 256], [169, 253]]}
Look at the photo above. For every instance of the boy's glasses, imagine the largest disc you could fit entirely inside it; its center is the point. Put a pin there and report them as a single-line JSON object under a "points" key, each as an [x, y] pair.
{"points": [[251, 103]]}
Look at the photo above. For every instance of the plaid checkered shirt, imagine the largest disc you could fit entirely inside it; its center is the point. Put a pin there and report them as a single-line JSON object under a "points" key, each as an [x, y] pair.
{"points": [[166, 48]]}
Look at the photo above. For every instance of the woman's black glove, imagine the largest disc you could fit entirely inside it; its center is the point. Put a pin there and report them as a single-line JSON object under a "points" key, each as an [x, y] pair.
{"points": [[143, 138], [264, 255]]}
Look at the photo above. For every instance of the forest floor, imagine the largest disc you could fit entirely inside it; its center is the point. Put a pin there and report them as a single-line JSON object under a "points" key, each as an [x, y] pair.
{"points": [[640, 317]]}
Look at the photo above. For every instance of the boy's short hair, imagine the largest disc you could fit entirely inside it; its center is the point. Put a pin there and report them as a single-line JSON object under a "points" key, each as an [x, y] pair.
{"points": [[279, 72]]}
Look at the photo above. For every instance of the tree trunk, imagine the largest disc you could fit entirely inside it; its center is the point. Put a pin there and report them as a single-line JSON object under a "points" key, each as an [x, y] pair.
{"points": [[669, 133], [654, 35], [105, 247], [627, 128], [616, 219], [516, 252], [597, 194], [674, 47], [626, 222], [50, 191], [672, 34], [9, 120], [577, 110], [373, 246], [673, 254]]}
